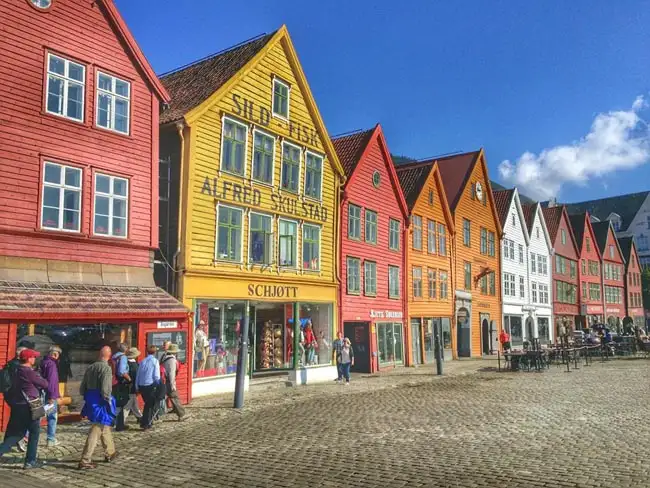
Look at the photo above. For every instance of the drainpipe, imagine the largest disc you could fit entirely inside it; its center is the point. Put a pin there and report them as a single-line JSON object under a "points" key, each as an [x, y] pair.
{"points": [[337, 240], [405, 296], [180, 126]]}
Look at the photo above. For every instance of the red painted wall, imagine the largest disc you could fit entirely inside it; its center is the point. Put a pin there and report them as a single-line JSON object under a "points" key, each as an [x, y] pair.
{"points": [[385, 201], [615, 309], [77, 30], [588, 252], [569, 252], [633, 267]]}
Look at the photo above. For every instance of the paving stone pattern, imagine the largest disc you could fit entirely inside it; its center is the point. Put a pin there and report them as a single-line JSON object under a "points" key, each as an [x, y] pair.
{"points": [[587, 428]]}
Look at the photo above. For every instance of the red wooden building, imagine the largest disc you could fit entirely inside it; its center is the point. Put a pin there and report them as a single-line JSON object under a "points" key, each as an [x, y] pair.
{"points": [[589, 273], [373, 215], [633, 289], [79, 193], [566, 308], [613, 272]]}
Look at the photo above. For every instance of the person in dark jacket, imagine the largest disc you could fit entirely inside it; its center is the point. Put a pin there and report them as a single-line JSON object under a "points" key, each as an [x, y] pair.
{"points": [[50, 372], [170, 365], [346, 359], [132, 406], [12, 366], [26, 386]]}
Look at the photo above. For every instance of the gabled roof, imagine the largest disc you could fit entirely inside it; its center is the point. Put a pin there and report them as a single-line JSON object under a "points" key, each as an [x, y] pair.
{"points": [[625, 244], [601, 231], [529, 215], [191, 85], [627, 206], [552, 218], [134, 49], [455, 171], [412, 178], [502, 199], [577, 222], [352, 148]]}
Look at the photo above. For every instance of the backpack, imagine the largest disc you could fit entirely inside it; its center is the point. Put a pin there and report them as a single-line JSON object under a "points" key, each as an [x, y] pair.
{"points": [[5, 379]]}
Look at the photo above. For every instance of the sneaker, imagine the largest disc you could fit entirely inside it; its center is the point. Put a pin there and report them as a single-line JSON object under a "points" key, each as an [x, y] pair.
{"points": [[34, 465], [347, 383], [52, 443], [22, 445], [83, 465], [184, 417], [111, 458]]}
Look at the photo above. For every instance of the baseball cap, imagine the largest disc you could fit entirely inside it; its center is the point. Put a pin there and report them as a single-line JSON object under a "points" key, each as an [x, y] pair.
{"points": [[29, 353]]}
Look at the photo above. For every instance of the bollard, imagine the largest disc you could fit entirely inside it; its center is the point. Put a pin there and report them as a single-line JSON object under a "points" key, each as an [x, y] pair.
{"points": [[242, 358]]}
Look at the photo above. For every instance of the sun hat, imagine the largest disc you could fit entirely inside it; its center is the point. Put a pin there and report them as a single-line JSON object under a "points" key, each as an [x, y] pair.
{"points": [[173, 349], [28, 353], [56, 349], [133, 353]]}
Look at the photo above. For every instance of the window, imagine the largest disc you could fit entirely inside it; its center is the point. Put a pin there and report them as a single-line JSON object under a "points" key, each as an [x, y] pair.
{"points": [[288, 237], [263, 156], [430, 197], [533, 263], [313, 175], [467, 233], [280, 99], [537, 232], [431, 237], [573, 269], [370, 278], [260, 239], [431, 278], [393, 234], [513, 219], [66, 82], [558, 263], [229, 234], [584, 290], [233, 146], [483, 241], [417, 232], [376, 179], [566, 292], [354, 221], [61, 206], [113, 103], [491, 278], [542, 265], [534, 292], [522, 288], [491, 239], [584, 266], [442, 240], [111, 205], [444, 287], [393, 282], [371, 227], [290, 167], [483, 285], [594, 269], [611, 251], [543, 293], [41, 4], [521, 254], [588, 244], [594, 291], [509, 289], [563, 236], [468, 275], [311, 247], [417, 282]]}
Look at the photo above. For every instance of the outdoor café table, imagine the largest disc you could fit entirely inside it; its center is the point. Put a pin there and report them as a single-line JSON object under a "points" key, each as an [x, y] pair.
{"points": [[514, 357]]}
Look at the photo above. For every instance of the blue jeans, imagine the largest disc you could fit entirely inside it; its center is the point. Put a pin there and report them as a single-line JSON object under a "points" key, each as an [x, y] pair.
{"points": [[345, 371], [20, 421], [52, 417]]}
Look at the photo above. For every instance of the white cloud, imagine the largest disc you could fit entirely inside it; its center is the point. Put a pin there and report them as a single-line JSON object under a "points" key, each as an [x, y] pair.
{"points": [[617, 140]]}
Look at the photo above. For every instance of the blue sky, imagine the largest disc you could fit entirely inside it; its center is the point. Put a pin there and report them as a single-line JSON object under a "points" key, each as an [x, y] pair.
{"points": [[508, 76]]}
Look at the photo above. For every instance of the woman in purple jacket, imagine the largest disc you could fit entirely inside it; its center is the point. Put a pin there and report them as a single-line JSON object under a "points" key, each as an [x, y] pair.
{"points": [[26, 384]]}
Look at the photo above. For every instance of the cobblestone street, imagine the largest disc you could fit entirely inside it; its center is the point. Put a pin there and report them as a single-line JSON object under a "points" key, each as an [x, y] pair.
{"points": [[473, 428]]}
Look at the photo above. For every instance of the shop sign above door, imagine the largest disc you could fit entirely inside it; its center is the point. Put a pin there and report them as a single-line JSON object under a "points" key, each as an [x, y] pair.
{"points": [[167, 324], [386, 314], [272, 291]]}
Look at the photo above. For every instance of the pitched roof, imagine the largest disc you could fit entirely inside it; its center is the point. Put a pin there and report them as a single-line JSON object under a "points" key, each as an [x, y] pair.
{"points": [[529, 215], [350, 147], [412, 178], [601, 230], [191, 85], [138, 56], [627, 206], [455, 171], [625, 243], [57, 300], [578, 226], [502, 199], [552, 216]]}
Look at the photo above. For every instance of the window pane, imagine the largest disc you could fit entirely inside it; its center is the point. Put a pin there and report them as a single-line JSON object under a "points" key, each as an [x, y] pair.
{"points": [[57, 65], [101, 205], [122, 88], [75, 101], [102, 184], [52, 173], [119, 208], [51, 197], [71, 200], [121, 116], [50, 218], [105, 83], [70, 219], [103, 114], [55, 95], [120, 186], [119, 226], [73, 177]]}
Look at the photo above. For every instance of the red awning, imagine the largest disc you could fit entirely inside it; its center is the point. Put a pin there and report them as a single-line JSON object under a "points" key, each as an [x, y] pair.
{"points": [[29, 300]]}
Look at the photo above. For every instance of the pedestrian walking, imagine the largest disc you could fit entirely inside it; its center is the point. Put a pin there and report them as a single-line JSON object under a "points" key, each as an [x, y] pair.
{"points": [[147, 383], [161, 407], [132, 356], [171, 367], [346, 359], [337, 345], [201, 347], [50, 373], [99, 408], [23, 398], [7, 374]]}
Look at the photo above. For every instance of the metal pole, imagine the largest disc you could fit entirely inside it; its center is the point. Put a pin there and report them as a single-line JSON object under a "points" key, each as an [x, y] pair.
{"points": [[242, 360], [437, 349], [296, 336]]}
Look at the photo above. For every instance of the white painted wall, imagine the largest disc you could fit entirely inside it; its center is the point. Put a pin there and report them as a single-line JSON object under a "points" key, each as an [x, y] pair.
{"points": [[640, 229], [540, 244]]}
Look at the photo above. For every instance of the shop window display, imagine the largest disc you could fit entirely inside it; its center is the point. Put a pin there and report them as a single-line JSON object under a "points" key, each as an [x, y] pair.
{"points": [[273, 335], [316, 320], [220, 323], [80, 344], [390, 342]]}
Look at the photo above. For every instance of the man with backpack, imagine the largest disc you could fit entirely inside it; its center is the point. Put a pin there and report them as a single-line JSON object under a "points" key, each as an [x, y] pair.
{"points": [[147, 382], [169, 371], [121, 383], [6, 375]]}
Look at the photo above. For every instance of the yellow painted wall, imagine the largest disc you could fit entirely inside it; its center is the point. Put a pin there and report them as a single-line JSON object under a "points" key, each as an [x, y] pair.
{"points": [[205, 139]]}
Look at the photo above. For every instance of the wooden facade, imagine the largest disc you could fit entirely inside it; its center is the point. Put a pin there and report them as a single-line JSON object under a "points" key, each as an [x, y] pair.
{"points": [[613, 272], [428, 273], [633, 288], [374, 222]]}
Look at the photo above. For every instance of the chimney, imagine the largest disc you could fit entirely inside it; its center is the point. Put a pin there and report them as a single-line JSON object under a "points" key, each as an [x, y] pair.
{"points": [[552, 202]]}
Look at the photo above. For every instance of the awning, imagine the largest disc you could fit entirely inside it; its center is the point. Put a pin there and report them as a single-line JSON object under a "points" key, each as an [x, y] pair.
{"points": [[48, 301]]}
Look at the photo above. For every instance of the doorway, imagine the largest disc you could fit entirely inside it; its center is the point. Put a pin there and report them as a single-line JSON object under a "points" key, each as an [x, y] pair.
{"points": [[416, 344], [463, 335], [359, 334], [485, 336]]}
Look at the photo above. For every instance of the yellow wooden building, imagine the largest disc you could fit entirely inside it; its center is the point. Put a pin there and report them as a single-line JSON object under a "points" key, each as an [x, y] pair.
{"points": [[476, 254], [429, 254], [252, 227]]}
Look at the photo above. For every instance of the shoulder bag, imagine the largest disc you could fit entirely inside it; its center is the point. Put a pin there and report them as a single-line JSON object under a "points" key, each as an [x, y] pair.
{"points": [[36, 407]]}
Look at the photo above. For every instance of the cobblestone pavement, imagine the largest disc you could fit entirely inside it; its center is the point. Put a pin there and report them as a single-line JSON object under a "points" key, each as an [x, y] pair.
{"points": [[587, 428]]}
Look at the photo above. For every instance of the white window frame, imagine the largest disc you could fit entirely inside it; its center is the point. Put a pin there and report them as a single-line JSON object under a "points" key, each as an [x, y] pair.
{"points": [[300, 158], [275, 140], [365, 228], [296, 261], [322, 173], [288, 86], [357, 261], [522, 287], [352, 237], [111, 197], [113, 94], [225, 119], [365, 278], [66, 81], [390, 231], [61, 187], [216, 234], [397, 269], [272, 240], [320, 247]]}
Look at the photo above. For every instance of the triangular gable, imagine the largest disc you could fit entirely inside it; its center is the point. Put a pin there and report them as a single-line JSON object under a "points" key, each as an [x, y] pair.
{"points": [[488, 190], [502, 200], [628, 249], [592, 234], [139, 58], [514, 198], [280, 36], [612, 234], [539, 216], [437, 177]]}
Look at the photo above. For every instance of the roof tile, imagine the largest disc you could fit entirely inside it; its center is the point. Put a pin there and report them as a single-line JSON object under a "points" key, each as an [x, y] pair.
{"points": [[552, 217], [455, 171], [502, 199], [627, 206], [350, 147], [412, 178]]}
